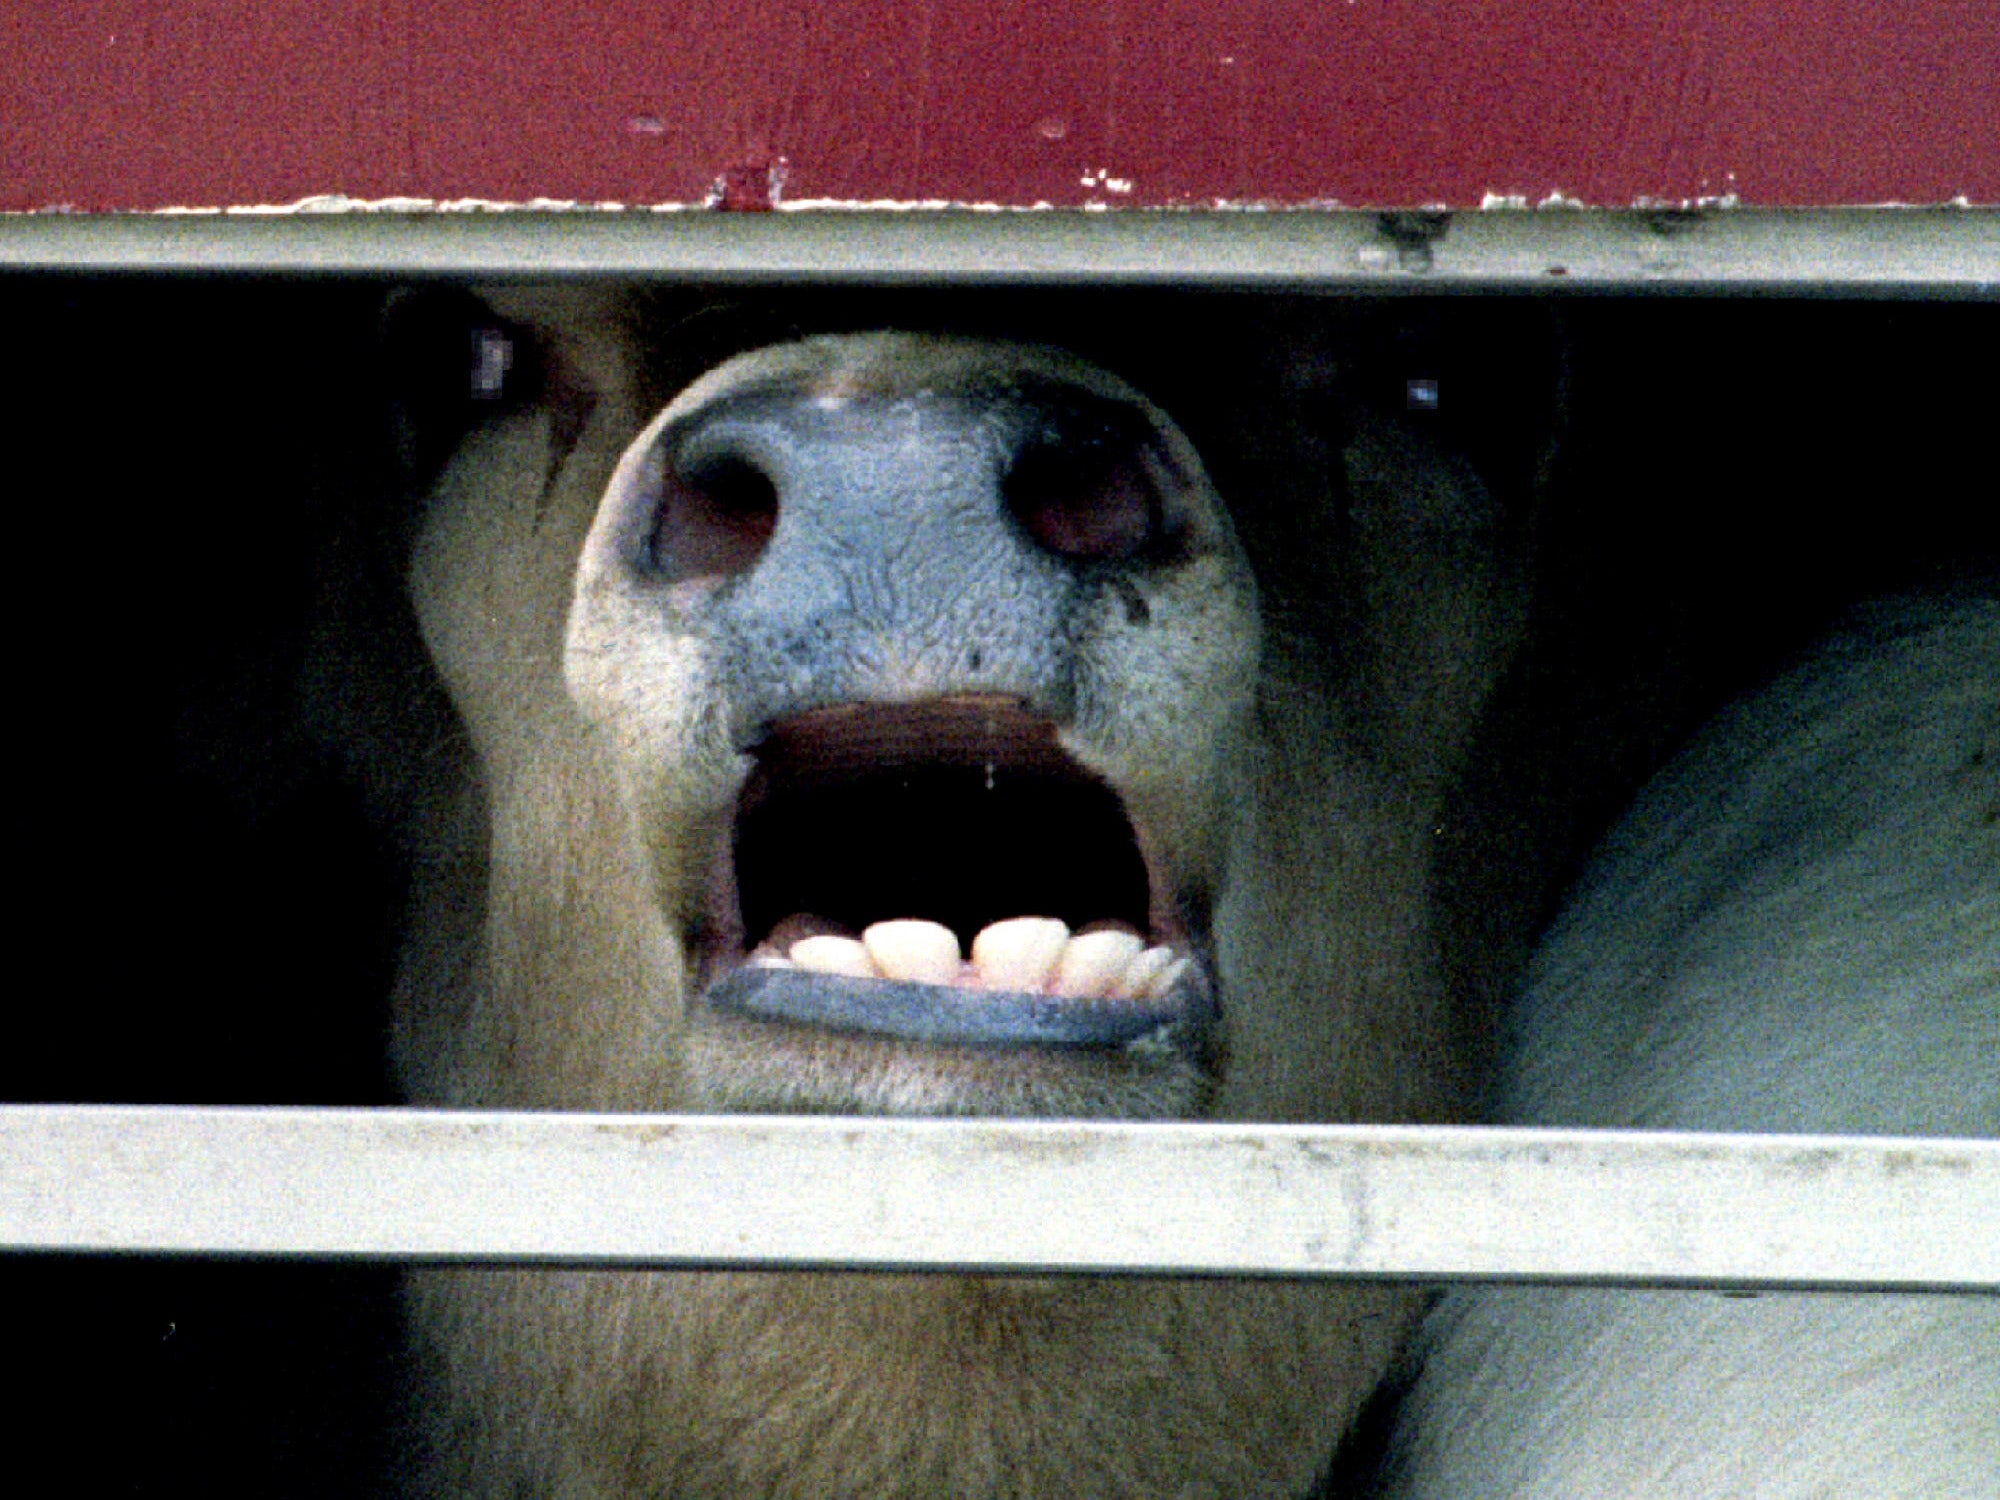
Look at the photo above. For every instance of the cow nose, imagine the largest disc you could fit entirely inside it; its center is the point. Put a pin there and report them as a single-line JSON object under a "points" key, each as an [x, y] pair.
{"points": [[1077, 479]]}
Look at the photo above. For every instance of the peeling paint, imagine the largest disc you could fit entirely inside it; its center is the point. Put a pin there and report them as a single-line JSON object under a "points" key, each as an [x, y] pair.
{"points": [[339, 203], [1558, 200], [1648, 204], [334, 205]]}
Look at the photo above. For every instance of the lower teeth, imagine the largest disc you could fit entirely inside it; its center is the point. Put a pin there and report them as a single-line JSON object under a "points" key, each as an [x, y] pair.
{"points": [[1034, 955]]}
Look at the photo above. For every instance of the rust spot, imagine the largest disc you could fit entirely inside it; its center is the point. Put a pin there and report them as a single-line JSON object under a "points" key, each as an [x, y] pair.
{"points": [[641, 1135], [749, 187]]}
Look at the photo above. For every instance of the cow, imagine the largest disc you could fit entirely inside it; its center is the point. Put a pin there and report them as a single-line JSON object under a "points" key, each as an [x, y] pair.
{"points": [[899, 719], [1797, 929]]}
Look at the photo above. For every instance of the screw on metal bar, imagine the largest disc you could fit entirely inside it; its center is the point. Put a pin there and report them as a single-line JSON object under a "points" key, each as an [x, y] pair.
{"points": [[1666, 222], [1413, 232]]}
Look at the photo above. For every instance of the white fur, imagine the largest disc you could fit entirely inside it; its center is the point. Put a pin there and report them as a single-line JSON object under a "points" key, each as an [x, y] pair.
{"points": [[1797, 930]]}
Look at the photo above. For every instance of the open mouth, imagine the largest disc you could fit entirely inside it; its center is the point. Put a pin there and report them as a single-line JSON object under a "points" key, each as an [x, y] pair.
{"points": [[947, 873]]}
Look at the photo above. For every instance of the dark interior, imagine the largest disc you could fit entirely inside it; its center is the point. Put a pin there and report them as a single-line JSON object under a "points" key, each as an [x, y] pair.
{"points": [[937, 842], [944, 811], [208, 912]]}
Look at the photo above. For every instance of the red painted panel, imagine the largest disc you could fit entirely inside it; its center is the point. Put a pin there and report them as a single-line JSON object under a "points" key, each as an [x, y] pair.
{"points": [[142, 104]]}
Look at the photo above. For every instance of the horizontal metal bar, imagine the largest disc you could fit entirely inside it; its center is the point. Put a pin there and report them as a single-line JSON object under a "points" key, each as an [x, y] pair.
{"points": [[1856, 252], [1409, 1202]]}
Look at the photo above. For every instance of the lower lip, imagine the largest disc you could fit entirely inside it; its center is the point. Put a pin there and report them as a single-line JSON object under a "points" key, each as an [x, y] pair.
{"points": [[945, 1015]]}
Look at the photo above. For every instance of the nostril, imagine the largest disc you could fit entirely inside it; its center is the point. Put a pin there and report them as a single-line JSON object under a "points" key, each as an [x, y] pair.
{"points": [[1093, 499], [717, 511], [733, 489]]}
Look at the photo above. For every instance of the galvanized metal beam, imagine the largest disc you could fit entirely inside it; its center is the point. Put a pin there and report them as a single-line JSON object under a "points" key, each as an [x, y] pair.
{"points": [[1031, 1196], [1938, 251]]}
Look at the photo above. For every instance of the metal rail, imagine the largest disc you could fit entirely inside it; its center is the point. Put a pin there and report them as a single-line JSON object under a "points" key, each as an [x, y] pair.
{"points": [[1423, 1203], [1939, 251]]}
